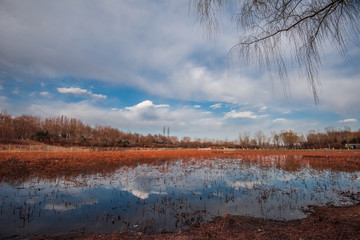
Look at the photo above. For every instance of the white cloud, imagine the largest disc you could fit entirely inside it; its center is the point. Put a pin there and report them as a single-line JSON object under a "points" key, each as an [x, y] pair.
{"points": [[110, 41], [216, 106], [145, 105], [15, 91], [338, 89], [349, 120], [80, 93], [340, 93], [1, 87], [162, 106], [196, 82], [279, 120], [73, 91], [97, 96], [244, 114], [263, 108], [145, 110], [46, 94], [197, 106]]}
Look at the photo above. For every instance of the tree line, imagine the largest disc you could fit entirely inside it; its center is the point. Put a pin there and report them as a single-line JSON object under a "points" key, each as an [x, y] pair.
{"points": [[67, 131]]}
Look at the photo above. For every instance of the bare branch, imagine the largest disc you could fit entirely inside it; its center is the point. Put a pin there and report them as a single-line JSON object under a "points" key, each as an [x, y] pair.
{"points": [[270, 29]]}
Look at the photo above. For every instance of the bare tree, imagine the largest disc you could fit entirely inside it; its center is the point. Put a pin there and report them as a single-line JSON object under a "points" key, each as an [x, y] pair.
{"points": [[244, 139], [276, 139], [273, 30], [260, 138]]}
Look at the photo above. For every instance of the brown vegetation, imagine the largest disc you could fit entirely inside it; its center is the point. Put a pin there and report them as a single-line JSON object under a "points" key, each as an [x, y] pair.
{"points": [[19, 166]]}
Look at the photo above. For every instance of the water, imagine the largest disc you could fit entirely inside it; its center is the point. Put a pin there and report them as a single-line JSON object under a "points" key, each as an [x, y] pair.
{"points": [[169, 197]]}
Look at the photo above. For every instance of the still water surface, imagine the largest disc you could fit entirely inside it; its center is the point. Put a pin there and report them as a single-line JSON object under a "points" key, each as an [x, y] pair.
{"points": [[168, 197]]}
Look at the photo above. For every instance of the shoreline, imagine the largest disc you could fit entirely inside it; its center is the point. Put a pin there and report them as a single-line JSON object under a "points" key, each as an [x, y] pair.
{"points": [[324, 222]]}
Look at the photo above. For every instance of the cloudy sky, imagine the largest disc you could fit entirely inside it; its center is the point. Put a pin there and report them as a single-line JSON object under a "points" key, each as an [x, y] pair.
{"points": [[141, 65]]}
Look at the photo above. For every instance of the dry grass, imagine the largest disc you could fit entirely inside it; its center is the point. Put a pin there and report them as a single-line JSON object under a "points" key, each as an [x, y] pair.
{"points": [[19, 166]]}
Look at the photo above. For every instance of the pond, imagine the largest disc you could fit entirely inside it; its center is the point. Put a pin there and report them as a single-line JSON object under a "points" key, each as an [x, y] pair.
{"points": [[171, 196]]}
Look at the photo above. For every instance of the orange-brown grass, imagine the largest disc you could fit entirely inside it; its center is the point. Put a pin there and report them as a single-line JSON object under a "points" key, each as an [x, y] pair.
{"points": [[18, 166]]}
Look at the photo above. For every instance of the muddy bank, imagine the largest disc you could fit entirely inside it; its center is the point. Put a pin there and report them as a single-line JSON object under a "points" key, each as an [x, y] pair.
{"points": [[325, 222]]}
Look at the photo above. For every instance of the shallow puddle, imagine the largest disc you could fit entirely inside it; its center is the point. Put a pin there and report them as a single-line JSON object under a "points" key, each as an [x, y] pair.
{"points": [[171, 196]]}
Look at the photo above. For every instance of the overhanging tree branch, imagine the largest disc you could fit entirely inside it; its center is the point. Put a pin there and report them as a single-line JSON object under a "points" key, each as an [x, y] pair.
{"points": [[278, 32]]}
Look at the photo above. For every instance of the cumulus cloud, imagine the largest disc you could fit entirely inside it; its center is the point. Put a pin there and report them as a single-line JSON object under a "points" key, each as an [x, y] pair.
{"points": [[349, 120], [145, 110], [146, 105], [244, 114], [73, 91], [80, 93]]}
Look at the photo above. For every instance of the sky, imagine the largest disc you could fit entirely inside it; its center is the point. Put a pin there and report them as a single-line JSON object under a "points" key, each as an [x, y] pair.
{"points": [[141, 65]]}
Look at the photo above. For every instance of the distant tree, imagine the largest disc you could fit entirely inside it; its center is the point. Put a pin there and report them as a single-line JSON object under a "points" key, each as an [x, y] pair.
{"points": [[185, 141], [290, 138], [42, 136], [174, 139], [244, 140], [276, 139], [270, 28], [7, 130], [260, 138]]}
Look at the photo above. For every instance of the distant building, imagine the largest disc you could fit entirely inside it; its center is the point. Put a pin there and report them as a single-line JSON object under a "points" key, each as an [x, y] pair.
{"points": [[352, 145]]}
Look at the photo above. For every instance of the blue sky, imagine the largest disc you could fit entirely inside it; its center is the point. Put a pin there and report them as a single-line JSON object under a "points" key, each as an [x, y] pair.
{"points": [[141, 65]]}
